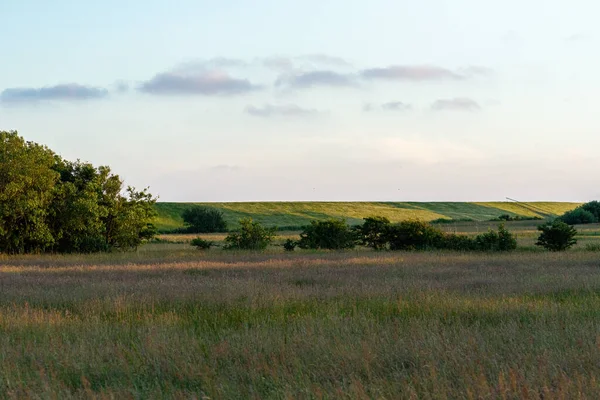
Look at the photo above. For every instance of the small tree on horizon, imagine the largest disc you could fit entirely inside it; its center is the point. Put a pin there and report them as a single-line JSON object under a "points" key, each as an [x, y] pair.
{"points": [[556, 236], [199, 219]]}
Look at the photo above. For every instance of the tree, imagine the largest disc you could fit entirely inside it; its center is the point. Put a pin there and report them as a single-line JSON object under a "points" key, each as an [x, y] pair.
{"points": [[53, 205], [414, 235], [26, 191], [502, 240], [373, 232], [578, 216], [251, 236], [556, 236], [332, 234], [200, 219]]}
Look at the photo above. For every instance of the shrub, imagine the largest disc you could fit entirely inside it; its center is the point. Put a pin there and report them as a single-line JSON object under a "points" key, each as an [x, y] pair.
{"points": [[452, 241], [578, 216], [373, 232], [502, 240], [414, 235], [290, 245], [201, 244], [557, 236], [198, 219], [251, 236], [332, 234]]}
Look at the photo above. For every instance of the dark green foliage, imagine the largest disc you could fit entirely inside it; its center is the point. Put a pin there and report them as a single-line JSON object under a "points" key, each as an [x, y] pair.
{"points": [[48, 204], [290, 245], [557, 236], [587, 213], [594, 208], [453, 241], [506, 217], [414, 235], [201, 244], [374, 232], [332, 234], [199, 219], [502, 240], [378, 233], [251, 236]]}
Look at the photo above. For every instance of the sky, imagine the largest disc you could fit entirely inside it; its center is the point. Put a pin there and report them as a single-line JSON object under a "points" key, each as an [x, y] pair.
{"points": [[239, 100]]}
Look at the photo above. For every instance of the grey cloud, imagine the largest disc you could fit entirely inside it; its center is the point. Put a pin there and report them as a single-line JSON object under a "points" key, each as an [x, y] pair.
{"points": [[278, 63], [288, 110], [418, 73], [282, 63], [216, 63], [63, 92], [410, 73], [474, 71], [325, 59], [121, 86], [316, 78], [390, 106], [456, 104], [202, 83]]}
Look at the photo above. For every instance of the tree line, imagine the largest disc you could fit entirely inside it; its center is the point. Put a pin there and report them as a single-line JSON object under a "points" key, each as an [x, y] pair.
{"points": [[49, 204]]}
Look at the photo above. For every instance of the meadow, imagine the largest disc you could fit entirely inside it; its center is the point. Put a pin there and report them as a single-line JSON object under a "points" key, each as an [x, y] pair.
{"points": [[293, 215], [169, 321]]}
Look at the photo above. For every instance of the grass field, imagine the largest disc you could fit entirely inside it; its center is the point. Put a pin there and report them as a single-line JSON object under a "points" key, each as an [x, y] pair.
{"points": [[297, 214], [170, 322]]}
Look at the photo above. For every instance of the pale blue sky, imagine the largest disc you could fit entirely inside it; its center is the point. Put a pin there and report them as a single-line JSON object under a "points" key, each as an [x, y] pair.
{"points": [[313, 100]]}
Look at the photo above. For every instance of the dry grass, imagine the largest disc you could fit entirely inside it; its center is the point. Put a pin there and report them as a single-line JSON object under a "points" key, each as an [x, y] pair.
{"points": [[173, 323]]}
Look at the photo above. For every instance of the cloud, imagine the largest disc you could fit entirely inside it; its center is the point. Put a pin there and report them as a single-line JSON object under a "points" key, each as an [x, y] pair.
{"points": [[418, 73], [288, 110], [390, 106], [282, 63], [410, 73], [325, 59], [316, 78], [278, 63], [63, 92], [456, 104], [207, 83], [211, 64]]}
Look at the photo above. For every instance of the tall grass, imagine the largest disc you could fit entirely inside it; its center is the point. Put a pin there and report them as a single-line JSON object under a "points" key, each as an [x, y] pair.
{"points": [[178, 324]]}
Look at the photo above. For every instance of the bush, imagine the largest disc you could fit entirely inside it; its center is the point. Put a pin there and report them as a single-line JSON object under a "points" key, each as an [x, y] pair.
{"points": [[201, 244], [198, 219], [290, 245], [251, 236], [578, 216], [502, 240], [373, 232], [455, 242], [414, 235], [557, 236], [332, 234]]}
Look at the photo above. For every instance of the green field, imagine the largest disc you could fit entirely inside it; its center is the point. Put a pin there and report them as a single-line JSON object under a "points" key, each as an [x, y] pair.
{"points": [[298, 214], [171, 322]]}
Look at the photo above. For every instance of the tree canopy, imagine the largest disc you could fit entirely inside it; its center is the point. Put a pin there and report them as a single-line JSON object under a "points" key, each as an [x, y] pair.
{"points": [[48, 204]]}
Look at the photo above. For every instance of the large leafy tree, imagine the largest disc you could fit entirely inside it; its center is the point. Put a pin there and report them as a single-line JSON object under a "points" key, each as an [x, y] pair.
{"points": [[50, 204], [27, 183]]}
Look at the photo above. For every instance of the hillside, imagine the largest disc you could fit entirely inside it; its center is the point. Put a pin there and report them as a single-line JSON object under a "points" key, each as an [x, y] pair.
{"points": [[296, 214]]}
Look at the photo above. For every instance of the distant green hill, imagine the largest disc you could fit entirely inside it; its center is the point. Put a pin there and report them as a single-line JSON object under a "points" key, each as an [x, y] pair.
{"points": [[297, 214]]}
